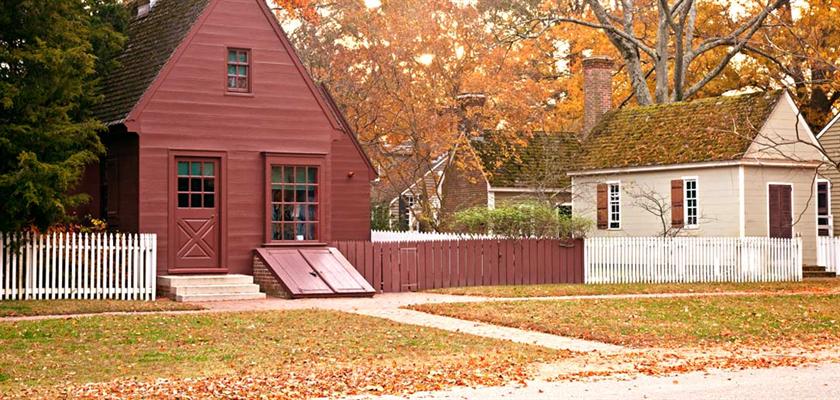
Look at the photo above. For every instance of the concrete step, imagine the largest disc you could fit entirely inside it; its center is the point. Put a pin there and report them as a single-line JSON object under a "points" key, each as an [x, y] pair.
{"points": [[220, 297], [173, 281], [215, 289]]}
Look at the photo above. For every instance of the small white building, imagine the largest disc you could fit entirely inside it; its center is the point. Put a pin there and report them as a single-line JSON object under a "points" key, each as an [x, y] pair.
{"points": [[729, 166], [829, 190]]}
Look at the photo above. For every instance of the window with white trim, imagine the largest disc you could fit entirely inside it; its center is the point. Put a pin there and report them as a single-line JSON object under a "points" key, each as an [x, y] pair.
{"points": [[824, 218], [614, 204], [690, 201]]}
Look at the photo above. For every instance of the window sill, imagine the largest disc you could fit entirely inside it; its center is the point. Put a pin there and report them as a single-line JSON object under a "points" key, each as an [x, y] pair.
{"points": [[294, 243], [239, 94]]}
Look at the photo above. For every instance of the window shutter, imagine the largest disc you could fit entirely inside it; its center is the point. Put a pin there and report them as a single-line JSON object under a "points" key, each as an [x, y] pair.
{"points": [[677, 213], [786, 214], [602, 206]]}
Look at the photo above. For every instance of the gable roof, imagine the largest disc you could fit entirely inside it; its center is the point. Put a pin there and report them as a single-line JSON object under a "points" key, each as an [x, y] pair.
{"points": [[711, 129], [543, 160], [413, 169], [152, 40], [829, 125]]}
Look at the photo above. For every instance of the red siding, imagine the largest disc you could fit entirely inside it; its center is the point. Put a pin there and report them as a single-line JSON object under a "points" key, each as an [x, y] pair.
{"points": [[188, 109], [350, 205]]}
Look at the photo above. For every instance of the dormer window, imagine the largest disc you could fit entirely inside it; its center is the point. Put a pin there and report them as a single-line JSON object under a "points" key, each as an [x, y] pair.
{"points": [[238, 70]]}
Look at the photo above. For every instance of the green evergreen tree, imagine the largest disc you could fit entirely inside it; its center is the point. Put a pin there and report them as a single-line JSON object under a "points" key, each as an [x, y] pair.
{"points": [[51, 55]]}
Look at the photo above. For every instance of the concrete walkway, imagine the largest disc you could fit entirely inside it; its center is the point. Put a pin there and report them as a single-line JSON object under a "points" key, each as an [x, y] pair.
{"points": [[490, 331], [388, 306], [785, 383]]}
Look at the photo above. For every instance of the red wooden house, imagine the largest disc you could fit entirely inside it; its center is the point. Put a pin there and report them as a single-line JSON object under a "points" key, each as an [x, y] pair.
{"points": [[220, 143]]}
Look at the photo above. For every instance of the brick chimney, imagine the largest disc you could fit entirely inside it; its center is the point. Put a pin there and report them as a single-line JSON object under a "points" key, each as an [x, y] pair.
{"points": [[597, 90], [144, 7]]}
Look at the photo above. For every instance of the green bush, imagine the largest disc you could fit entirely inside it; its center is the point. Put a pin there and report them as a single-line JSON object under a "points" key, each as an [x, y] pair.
{"points": [[380, 217], [524, 219]]}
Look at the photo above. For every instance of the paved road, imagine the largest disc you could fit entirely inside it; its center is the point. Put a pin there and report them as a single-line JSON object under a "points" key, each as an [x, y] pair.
{"points": [[801, 383]]}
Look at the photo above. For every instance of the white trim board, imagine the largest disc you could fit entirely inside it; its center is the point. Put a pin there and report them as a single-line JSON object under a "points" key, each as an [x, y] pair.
{"points": [[829, 125], [742, 209], [524, 190]]}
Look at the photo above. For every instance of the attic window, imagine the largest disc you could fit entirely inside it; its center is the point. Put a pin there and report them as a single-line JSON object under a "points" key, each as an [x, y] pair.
{"points": [[238, 70]]}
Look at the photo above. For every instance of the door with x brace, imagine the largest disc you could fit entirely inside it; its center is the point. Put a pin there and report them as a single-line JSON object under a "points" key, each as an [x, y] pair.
{"points": [[196, 213]]}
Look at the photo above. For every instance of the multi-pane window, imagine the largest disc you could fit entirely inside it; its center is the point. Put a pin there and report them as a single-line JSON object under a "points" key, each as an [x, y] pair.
{"points": [[294, 202], [238, 70], [614, 198], [564, 210], [409, 206], [196, 184], [823, 208], [690, 187]]}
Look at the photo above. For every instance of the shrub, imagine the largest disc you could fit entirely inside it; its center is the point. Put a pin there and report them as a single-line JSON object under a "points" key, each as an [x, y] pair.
{"points": [[523, 219], [380, 217]]}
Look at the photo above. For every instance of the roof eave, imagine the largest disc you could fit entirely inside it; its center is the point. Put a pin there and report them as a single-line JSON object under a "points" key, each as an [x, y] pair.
{"points": [[703, 164]]}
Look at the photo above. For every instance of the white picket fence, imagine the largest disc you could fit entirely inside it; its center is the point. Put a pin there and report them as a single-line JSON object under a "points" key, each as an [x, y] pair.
{"points": [[828, 253], [690, 259], [78, 266], [397, 236]]}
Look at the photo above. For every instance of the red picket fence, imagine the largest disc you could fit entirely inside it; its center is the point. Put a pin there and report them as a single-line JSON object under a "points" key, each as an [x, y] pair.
{"points": [[412, 266]]}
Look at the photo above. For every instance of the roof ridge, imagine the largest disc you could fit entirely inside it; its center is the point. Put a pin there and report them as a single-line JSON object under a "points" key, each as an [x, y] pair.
{"points": [[704, 100]]}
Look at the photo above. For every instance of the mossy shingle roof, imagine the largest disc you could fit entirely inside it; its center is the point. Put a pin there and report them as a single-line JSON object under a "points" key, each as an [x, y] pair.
{"points": [[152, 40], [712, 129], [542, 161]]}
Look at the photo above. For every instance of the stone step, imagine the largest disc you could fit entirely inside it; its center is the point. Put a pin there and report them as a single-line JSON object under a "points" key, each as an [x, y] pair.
{"points": [[817, 268], [173, 281], [220, 297], [215, 289], [823, 274]]}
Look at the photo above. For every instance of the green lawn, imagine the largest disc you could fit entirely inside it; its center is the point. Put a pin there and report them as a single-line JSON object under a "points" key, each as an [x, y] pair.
{"points": [[65, 307], [282, 354], [809, 286], [732, 321]]}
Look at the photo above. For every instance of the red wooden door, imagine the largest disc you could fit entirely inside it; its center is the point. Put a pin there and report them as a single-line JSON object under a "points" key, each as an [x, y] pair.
{"points": [[780, 211], [196, 219]]}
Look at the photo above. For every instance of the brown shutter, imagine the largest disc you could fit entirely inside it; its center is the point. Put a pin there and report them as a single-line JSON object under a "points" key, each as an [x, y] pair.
{"points": [[773, 209], [602, 206], [779, 208], [786, 212], [677, 214]]}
